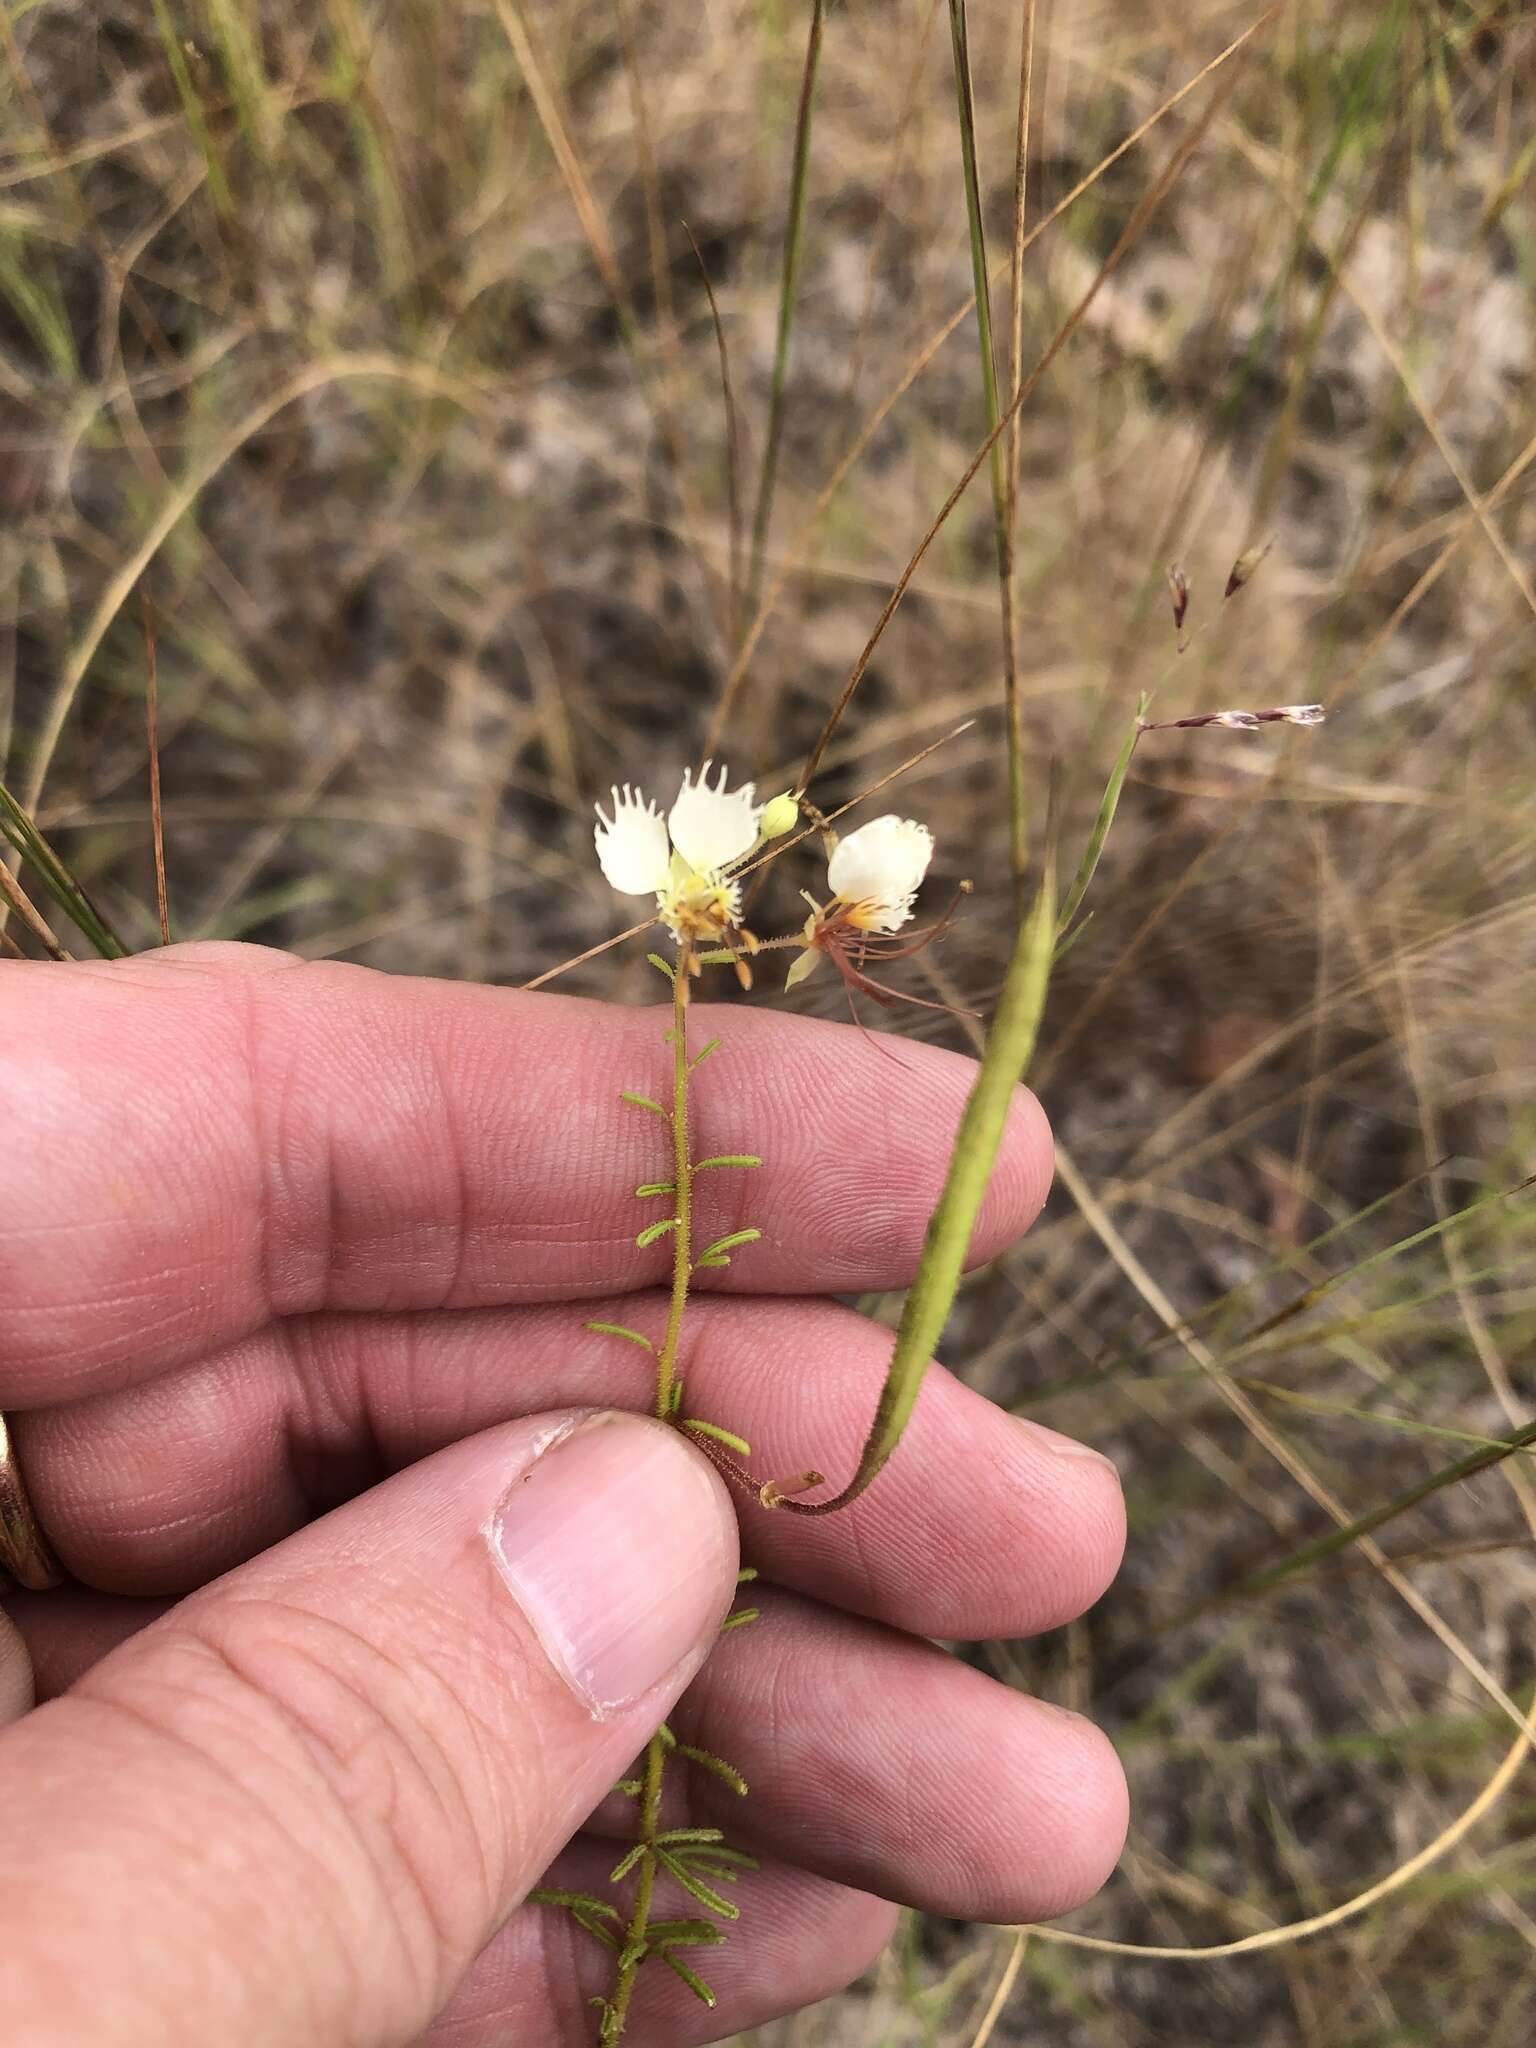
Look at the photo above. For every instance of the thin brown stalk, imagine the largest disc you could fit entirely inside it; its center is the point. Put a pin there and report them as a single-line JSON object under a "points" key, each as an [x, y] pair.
{"points": [[794, 250], [1018, 845], [31, 917], [581, 959], [794, 556], [732, 450], [1132, 233], [1008, 564], [1020, 244]]}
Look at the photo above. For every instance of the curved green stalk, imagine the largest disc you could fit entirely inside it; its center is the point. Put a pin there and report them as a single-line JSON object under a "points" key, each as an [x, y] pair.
{"points": [[1010, 1045]]}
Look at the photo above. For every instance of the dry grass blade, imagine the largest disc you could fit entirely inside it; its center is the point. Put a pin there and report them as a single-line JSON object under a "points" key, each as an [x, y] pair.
{"points": [[513, 16], [732, 449], [859, 445], [1004, 1991], [1142, 215], [31, 917], [592, 953], [1018, 837], [1319, 1923], [789, 279], [120, 586], [1016, 259], [152, 732]]}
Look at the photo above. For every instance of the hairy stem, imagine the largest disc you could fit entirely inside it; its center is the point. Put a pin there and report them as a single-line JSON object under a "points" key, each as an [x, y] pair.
{"points": [[645, 1892], [682, 1174], [633, 1953]]}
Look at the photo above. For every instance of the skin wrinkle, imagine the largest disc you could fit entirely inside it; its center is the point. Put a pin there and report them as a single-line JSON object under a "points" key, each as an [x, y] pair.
{"points": [[839, 1231], [365, 1767], [426, 1380], [461, 1216], [327, 1413], [261, 1250], [237, 1779]]}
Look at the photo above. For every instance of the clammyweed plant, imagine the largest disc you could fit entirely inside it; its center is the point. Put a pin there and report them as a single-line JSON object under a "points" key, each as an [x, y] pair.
{"points": [[692, 863]]}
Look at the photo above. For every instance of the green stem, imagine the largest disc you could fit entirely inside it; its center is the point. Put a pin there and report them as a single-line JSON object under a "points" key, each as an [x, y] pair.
{"points": [[682, 1174], [1010, 1045], [645, 1891]]}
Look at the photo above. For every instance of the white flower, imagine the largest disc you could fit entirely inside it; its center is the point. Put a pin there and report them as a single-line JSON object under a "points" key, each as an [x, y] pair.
{"points": [[875, 872], [685, 861], [712, 828], [632, 847]]}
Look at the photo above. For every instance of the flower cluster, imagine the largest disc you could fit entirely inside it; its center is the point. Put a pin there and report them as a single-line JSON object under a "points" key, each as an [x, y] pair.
{"points": [[691, 861]]}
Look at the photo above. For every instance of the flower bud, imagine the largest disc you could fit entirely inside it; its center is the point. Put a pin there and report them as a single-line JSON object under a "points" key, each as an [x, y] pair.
{"points": [[778, 816]]}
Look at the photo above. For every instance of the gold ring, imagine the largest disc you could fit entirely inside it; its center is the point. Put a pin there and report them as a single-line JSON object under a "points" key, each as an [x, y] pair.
{"points": [[25, 1556]]}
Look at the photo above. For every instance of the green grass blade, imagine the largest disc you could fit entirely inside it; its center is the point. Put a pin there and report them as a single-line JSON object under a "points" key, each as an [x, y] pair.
{"points": [[1337, 1540], [1108, 805], [17, 827]]}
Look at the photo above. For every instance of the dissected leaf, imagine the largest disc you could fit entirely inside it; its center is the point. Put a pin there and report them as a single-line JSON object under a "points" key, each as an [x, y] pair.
{"points": [[621, 1330]]}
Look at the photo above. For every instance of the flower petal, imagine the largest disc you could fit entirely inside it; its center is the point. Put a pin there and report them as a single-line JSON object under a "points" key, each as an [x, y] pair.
{"points": [[632, 845], [879, 867], [713, 827]]}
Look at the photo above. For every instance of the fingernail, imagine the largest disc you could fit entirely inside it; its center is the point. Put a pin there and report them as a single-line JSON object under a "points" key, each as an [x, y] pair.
{"points": [[619, 1549], [1061, 1446]]}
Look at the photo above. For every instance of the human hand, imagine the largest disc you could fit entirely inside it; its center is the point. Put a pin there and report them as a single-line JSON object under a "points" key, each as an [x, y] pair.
{"points": [[287, 1315]]}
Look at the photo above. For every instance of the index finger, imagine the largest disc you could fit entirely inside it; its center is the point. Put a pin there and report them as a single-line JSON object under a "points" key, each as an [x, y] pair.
{"points": [[211, 1136]]}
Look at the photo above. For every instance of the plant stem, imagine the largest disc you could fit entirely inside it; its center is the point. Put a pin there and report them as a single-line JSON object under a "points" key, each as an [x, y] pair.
{"points": [[1005, 1061], [645, 1889], [682, 1174], [682, 1271]]}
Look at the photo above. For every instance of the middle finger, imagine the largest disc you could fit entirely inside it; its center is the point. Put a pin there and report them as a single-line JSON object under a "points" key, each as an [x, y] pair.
{"points": [[982, 1524]]}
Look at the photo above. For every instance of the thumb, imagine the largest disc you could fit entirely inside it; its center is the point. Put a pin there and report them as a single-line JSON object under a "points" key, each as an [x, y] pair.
{"points": [[296, 1807]]}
